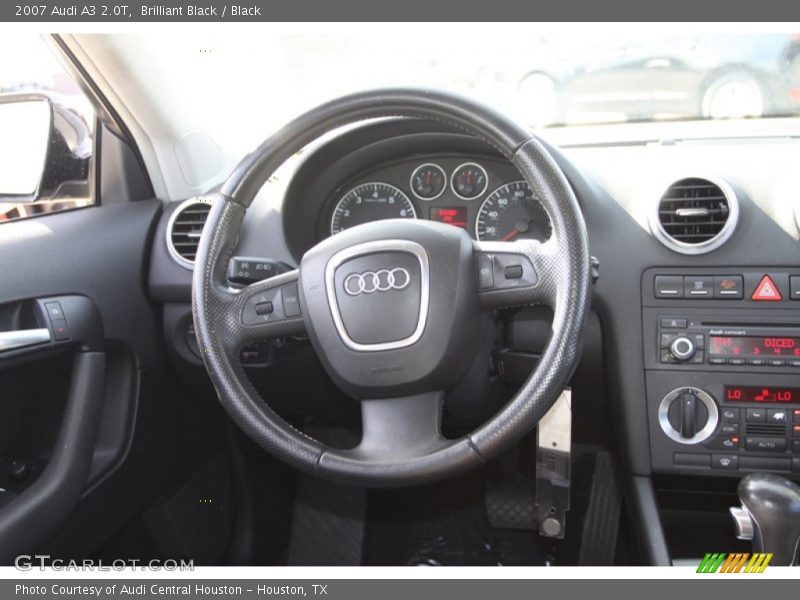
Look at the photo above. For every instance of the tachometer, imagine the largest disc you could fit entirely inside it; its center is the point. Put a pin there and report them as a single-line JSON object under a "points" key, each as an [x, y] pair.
{"points": [[511, 212], [371, 202]]}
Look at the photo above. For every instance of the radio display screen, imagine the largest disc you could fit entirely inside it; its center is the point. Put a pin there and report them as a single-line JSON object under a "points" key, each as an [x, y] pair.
{"points": [[745, 393], [754, 346]]}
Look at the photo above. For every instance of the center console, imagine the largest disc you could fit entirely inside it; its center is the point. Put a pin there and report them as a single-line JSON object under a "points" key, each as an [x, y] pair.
{"points": [[722, 368]]}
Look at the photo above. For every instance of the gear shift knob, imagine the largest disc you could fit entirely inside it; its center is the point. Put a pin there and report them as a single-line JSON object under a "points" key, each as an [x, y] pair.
{"points": [[773, 504]]}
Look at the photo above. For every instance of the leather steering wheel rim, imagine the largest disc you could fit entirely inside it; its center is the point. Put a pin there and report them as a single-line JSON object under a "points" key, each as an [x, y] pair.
{"points": [[565, 284]]}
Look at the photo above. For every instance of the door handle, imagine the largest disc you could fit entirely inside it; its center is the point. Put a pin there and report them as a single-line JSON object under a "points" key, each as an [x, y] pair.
{"points": [[11, 340]]}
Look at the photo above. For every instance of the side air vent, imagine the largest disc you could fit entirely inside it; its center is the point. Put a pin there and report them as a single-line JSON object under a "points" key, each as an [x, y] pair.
{"points": [[184, 229], [696, 215]]}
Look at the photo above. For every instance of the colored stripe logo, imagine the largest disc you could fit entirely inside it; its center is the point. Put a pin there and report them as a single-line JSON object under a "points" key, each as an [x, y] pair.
{"points": [[738, 562]]}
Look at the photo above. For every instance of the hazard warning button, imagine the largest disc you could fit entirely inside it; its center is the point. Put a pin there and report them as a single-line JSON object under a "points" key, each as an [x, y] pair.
{"points": [[767, 291]]}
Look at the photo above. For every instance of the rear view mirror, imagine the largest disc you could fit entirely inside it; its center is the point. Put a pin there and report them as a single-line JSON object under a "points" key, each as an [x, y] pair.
{"points": [[26, 122], [45, 151]]}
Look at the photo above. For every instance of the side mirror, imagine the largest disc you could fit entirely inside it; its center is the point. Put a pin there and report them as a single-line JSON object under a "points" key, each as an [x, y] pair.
{"points": [[45, 151]]}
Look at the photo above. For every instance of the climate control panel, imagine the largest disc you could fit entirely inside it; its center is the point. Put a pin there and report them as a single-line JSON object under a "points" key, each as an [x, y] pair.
{"points": [[723, 427]]}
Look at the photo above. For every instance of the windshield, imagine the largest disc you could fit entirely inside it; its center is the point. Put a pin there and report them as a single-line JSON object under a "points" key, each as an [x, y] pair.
{"points": [[211, 98]]}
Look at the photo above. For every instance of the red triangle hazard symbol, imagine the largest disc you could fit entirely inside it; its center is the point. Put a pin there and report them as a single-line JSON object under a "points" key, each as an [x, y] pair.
{"points": [[767, 290]]}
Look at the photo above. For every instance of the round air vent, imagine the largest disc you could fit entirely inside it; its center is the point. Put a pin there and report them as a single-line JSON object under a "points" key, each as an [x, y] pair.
{"points": [[185, 228], [695, 215]]}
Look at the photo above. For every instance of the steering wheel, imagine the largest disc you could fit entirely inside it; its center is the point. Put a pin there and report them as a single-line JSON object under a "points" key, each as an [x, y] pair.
{"points": [[392, 307]]}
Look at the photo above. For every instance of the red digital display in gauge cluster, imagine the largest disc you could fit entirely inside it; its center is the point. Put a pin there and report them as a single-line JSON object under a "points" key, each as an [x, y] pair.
{"points": [[452, 215], [774, 395], [754, 346]]}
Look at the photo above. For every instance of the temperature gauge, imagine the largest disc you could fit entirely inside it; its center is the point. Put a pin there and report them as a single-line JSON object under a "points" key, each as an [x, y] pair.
{"points": [[469, 181]]}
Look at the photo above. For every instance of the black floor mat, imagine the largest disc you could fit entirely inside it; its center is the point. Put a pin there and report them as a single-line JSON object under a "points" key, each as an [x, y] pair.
{"points": [[444, 524]]}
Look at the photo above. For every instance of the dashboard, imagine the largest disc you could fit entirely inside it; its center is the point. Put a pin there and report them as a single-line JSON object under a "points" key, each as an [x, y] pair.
{"points": [[655, 270]]}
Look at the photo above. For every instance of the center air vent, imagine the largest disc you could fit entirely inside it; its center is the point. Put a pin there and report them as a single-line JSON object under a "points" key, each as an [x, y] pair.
{"points": [[185, 228], [695, 215]]}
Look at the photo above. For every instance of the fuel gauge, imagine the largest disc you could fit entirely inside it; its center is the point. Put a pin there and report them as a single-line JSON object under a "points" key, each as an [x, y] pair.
{"points": [[428, 181]]}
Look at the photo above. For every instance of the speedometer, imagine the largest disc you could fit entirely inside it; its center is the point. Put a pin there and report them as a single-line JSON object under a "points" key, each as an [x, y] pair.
{"points": [[512, 212], [368, 202]]}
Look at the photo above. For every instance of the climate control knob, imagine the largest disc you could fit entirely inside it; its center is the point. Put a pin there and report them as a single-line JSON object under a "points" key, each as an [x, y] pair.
{"points": [[688, 415], [682, 349]]}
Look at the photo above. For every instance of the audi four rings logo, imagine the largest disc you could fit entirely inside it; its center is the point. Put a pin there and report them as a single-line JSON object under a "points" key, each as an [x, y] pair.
{"points": [[382, 280]]}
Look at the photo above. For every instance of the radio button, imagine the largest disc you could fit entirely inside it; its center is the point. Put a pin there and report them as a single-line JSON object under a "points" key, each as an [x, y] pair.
{"points": [[729, 287], [794, 362], [669, 286], [700, 286], [736, 361], [776, 362], [796, 465], [765, 444], [682, 349], [796, 413], [795, 446], [726, 462], [730, 414], [756, 415], [667, 339], [699, 341], [756, 362], [777, 416], [715, 360], [673, 323], [796, 430]]}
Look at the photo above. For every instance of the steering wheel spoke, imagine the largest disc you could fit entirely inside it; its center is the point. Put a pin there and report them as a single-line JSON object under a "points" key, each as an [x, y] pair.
{"points": [[520, 273], [401, 427]]}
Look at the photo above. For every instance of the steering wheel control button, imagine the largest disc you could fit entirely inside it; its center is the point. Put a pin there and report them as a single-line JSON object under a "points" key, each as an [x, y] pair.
{"points": [[264, 308], [669, 286], [513, 270], [729, 287], [291, 300], [485, 271], [698, 286]]}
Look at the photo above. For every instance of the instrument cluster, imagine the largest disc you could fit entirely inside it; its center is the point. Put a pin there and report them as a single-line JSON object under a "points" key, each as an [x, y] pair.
{"points": [[485, 196]]}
